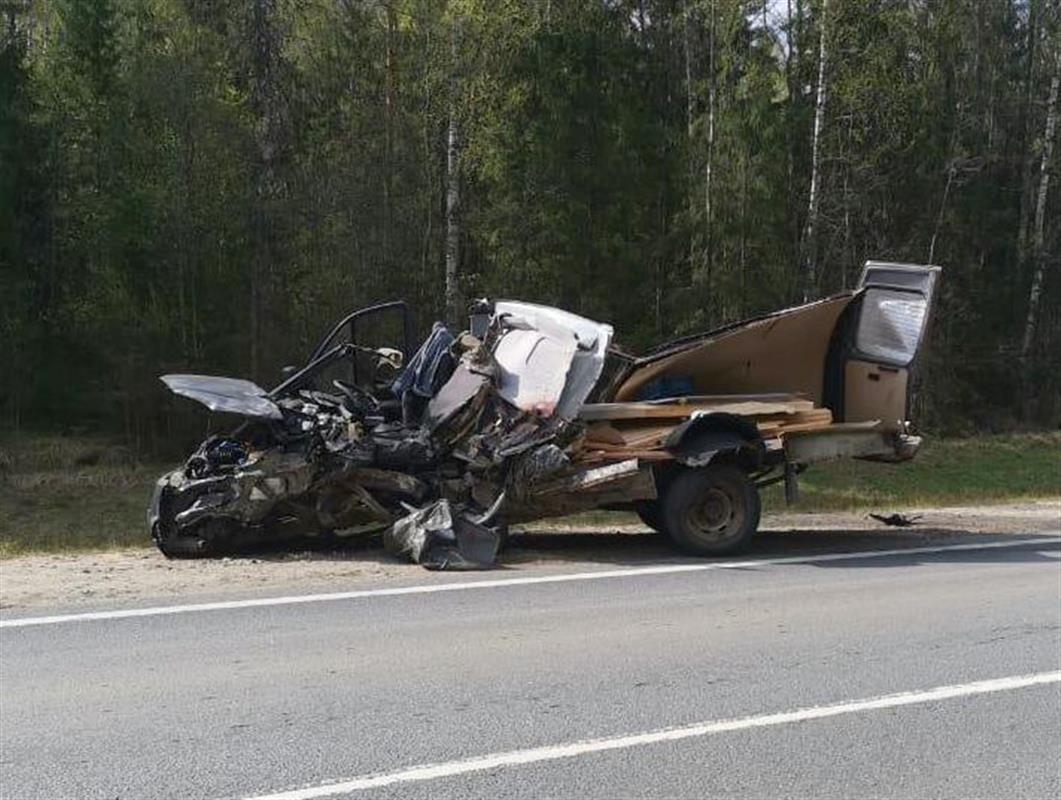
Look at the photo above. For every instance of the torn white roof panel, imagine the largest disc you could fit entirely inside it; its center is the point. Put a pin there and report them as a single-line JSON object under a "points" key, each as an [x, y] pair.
{"points": [[553, 381], [534, 367]]}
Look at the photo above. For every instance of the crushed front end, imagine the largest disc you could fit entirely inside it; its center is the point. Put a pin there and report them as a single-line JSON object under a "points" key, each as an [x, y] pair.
{"points": [[475, 429]]}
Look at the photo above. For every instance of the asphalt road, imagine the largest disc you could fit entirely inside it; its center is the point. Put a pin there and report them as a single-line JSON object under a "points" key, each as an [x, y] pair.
{"points": [[249, 701]]}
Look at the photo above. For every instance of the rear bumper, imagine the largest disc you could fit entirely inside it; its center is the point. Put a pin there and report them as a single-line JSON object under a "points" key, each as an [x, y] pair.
{"points": [[842, 441], [908, 446]]}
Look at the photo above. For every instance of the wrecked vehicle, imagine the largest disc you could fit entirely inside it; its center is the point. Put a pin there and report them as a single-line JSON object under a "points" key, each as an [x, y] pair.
{"points": [[532, 412]]}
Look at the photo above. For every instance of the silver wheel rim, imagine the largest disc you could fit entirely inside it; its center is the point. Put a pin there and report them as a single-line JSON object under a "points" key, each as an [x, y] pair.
{"points": [[716, 516]]}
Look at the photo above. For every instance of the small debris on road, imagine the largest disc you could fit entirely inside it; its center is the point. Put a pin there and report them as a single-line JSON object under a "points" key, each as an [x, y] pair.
{"points": [[897, 520]]}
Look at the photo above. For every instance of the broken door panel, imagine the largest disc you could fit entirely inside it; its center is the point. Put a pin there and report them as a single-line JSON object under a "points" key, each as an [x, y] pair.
{"points": [[892, 317], [875, 392], [911, 277], [890, 325]]}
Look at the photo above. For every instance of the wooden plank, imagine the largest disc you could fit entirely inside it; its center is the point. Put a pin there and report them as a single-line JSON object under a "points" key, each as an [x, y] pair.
{"points": [[769, 397], [810, 416], [608, 446], [620, 411], [787, 416], [805, 426], [846, 427], [647, 437], [627, 434], [622, 455], [603, 432]]}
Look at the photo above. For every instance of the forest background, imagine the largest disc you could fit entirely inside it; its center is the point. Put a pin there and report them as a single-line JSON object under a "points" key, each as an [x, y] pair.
{"points": [[204, 186]]}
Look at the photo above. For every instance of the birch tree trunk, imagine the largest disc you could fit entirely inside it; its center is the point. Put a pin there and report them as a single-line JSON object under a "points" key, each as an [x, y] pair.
{"points": [[792, 84], [688, 72], [701, 240], [1040, 213], [1028, 166], [452, 290], [951, 171], [709, 163], [810, 231], [266, 107], [388, 131], [694, 236]]}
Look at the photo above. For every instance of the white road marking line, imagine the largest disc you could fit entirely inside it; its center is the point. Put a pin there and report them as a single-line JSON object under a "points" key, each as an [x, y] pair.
{"points": [[427, 772], [224, 605]]}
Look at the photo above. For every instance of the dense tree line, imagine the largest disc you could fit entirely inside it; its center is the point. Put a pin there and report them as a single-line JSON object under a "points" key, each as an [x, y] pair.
{"points": [[203, 185]]}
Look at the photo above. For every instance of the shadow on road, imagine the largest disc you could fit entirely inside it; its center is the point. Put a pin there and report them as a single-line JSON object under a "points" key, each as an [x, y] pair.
{"points": [[642, 548], [635, 549]]}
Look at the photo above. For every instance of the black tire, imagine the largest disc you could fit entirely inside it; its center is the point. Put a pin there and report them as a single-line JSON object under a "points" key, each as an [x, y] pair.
{"points": [[503, 537], [174, 545], [711, 511], [201, 542], [651, 513]]}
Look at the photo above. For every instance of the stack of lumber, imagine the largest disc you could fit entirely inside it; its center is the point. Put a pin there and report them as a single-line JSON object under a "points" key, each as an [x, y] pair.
{"points": [[684, 407], [607, 442], [619, 431], [773, 425]]}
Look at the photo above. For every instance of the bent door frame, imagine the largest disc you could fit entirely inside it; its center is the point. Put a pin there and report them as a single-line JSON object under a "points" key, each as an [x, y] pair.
{"points": [[894, 378]]}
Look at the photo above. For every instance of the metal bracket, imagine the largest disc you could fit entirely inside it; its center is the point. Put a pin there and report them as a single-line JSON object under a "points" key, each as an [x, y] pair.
{"points": [[791, 483]]}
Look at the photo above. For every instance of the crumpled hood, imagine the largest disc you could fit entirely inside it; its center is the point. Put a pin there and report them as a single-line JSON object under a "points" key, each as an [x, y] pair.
{"points": [[231, 395]]}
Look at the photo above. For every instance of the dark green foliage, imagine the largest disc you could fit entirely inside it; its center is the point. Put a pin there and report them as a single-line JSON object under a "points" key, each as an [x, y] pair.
{"points": [[203, 186]]}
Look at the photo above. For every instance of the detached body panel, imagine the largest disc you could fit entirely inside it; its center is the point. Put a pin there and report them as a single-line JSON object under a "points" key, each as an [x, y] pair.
{"points": [[232, 395]]}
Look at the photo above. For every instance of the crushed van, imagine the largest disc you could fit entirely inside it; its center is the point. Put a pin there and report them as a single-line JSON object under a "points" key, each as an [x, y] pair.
{"points": [[534, 412]]}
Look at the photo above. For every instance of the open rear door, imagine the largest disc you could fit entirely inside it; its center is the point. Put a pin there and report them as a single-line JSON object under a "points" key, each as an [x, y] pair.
{"points": [[885, 340]]}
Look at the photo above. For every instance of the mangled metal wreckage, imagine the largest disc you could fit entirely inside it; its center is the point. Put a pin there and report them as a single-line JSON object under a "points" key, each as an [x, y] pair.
{"points": [[533, 412], [472, 423]]}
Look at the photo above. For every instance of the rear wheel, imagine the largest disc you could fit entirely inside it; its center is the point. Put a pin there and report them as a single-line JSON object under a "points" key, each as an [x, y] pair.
{"points": [[711, 511]]}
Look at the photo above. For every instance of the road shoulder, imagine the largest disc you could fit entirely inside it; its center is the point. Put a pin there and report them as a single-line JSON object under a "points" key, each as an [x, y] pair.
{"points": [[135, 576]]}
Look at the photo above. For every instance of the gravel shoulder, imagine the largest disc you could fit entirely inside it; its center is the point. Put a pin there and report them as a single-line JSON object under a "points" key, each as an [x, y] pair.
{"points": [[142, 575]]}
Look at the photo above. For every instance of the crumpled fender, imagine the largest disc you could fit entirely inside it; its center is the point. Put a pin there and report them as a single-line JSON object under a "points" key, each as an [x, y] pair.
{"points": [[698, 440]]}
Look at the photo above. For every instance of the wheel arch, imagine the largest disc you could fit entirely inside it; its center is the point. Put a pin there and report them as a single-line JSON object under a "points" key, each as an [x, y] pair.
{"points": [[710, 438]]}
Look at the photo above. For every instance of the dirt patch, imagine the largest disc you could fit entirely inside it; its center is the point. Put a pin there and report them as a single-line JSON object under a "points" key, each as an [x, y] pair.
{"points": [[1030, 516], [137, 576]]}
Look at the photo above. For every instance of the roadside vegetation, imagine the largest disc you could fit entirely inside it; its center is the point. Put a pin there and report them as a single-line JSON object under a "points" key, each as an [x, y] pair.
{"points": [[969, 471], [61, 494], [202, 186]]}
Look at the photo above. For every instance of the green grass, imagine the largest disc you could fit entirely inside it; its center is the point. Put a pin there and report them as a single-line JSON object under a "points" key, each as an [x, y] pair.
{"points": [[61, 494], [971, 471], [65, 494]]}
